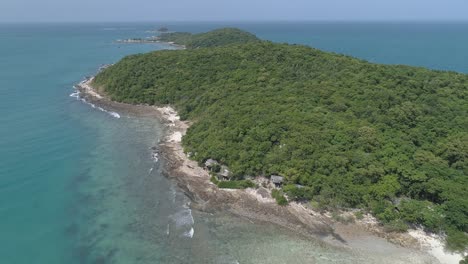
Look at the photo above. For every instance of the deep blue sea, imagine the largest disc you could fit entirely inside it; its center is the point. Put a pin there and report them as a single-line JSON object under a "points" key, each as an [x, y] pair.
{"points": [[78, 185]]}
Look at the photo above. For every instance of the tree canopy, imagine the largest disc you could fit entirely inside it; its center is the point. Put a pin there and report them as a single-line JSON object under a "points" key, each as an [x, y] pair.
{"points": [[218, 37], [389, 138]]}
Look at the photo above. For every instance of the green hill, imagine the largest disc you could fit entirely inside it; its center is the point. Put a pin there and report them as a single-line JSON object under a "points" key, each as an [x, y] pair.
{"points": [[218, 37], [390, 139], [179, 38]]}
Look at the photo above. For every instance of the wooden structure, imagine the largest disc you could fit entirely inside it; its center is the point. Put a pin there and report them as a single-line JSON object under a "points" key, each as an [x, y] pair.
{"points": [[277, 180]]}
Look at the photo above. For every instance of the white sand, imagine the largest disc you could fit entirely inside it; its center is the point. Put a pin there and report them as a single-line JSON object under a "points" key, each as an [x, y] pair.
{"points": [[169, 114], [88, 89], [175, 137], [434, 245]]}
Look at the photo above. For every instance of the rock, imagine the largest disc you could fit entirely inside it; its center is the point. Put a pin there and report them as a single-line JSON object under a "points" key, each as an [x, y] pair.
{"points": [[263, 192]]}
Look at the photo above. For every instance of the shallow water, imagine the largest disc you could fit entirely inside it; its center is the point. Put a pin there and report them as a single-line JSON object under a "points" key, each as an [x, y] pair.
{"points": [[78, 185]]}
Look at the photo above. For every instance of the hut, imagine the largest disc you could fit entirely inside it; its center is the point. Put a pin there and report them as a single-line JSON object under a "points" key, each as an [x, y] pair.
{"points": [[277, 180], [209, 163], [224, 173]]}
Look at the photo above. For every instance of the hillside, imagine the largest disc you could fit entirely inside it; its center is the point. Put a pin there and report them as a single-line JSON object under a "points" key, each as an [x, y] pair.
{"points": [[390, 139], [218, 37], [179, 38]]}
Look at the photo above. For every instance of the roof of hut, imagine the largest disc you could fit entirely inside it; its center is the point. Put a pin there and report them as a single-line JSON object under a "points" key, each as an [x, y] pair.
{"points": [[210, 162], [276, 179], [224, 171]]}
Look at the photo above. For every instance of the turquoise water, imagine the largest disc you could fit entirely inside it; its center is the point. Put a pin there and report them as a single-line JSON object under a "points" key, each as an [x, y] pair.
{"points": [[50, 142], [434, 45], [78, 185]]}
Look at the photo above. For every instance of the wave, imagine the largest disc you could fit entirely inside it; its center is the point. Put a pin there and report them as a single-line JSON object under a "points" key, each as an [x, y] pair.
{"points": [[189, 233], [155, 157], [183, 221], [183, 218], [190, 213], [76, 94], [114, 114], [173, 193]]}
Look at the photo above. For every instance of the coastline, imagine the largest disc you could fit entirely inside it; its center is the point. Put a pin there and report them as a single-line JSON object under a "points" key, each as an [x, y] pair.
{"points": [[150, 41], [257, 206]]}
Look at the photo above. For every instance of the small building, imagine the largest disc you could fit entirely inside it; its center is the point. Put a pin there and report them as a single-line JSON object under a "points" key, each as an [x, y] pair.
{"points": [[277, 180], [224, 173], [209, 163]]}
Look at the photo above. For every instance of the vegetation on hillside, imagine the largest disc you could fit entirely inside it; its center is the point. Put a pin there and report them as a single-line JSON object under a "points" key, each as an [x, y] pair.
{"points": [[163, 29], [218, 37], [180, 38], [279, 197], [237, 184], [390, 139]]}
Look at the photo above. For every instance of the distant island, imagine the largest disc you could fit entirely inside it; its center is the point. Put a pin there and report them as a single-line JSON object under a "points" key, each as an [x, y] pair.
{"points": [[217, 37], [338, 131], [138, 40], [163, 29]]}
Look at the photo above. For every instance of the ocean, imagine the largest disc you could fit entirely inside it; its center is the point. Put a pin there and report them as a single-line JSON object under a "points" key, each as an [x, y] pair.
{"points": [[80, 185]]}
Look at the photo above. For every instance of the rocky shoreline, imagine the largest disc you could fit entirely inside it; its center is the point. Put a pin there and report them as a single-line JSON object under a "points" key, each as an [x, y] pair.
{"points": [[257, 205], [150, 41]]}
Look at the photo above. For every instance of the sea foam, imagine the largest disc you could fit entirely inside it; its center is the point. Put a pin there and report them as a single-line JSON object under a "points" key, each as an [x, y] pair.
{"points": [[183, 221], [189, 233], [76, 94]]}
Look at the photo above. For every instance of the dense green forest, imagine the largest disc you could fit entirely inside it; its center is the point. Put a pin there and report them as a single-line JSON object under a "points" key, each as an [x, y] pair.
{"points": [[390, 139], [218, 37]]}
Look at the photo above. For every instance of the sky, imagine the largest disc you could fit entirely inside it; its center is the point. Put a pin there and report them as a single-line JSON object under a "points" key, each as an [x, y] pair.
{"points": [[231, 10]]}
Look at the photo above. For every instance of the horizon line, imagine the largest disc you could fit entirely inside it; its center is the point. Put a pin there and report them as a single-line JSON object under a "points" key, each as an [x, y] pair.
{"points": [[243, 21]]}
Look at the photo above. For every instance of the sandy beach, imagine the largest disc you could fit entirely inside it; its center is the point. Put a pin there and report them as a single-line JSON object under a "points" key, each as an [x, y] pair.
{"points": [[257, 205]]}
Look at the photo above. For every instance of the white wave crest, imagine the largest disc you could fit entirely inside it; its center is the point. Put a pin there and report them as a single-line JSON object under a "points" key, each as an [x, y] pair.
{"points": [[114, 114], [76, 95], [189, 233], [183, 218], [173, 194], [155, 157], [183, 222]]}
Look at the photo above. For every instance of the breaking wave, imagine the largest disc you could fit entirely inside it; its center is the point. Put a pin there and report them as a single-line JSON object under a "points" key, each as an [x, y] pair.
{"points": [[183, 222], [76, 94], [189, 233]]}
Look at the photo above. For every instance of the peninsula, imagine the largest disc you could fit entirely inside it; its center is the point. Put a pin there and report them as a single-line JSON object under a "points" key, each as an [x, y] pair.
{"points": [[184, 40], [340, 132]]}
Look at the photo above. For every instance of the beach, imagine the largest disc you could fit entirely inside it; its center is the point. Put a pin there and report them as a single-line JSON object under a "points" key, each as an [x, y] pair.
{"points": [[257, 205]]}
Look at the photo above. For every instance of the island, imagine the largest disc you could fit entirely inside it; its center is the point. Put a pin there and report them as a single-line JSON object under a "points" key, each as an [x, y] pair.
{"points": [[163, 29], [138, 40], [184, 40], [218, 37], [330, 131]]}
